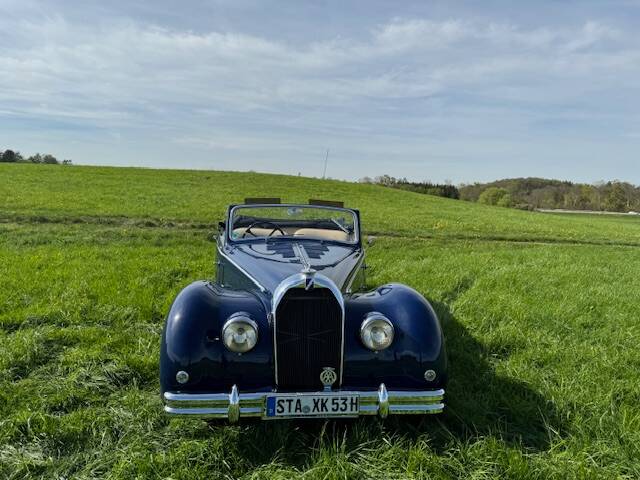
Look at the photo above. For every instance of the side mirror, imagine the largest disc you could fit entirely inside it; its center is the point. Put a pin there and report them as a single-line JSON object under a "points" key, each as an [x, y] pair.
{"points": [[371, 240]]}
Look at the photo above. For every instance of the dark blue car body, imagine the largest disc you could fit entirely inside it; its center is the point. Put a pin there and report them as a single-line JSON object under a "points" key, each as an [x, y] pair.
{"points": [[407, 377]]}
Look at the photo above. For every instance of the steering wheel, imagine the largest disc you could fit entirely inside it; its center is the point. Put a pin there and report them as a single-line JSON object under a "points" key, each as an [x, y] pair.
{"points": [[276, 228]]}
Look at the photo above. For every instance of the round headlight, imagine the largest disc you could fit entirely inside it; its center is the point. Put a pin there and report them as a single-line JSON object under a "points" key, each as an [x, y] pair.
{"points": [[376, 331], [240, 333]]}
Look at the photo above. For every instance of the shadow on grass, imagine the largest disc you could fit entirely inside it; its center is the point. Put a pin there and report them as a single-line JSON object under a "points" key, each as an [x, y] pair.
{"points": [[480, 404]]}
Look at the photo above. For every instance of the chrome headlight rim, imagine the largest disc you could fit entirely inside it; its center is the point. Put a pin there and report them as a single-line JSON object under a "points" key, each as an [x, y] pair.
{"points": [[233, 320], [365, 331]]}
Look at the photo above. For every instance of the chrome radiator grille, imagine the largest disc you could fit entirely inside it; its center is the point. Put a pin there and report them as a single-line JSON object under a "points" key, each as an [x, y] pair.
{"points": [[308, 334]]}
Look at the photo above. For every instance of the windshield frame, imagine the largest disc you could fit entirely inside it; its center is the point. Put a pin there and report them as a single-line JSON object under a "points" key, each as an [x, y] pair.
{"points": [[232, 210]]}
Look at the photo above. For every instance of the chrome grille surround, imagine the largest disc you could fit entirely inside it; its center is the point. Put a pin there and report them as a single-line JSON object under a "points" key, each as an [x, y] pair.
{"points": [[306, 279]]}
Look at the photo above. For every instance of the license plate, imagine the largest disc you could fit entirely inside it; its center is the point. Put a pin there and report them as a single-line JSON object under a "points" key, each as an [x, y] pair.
{"points": [[312, 405]]}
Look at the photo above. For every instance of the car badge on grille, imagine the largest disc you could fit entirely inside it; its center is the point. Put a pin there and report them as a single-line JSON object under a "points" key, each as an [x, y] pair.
{"points": [[328, 377]]}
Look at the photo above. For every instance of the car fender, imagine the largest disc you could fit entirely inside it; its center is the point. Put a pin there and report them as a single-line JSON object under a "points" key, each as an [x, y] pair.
{"points": [[418, 343], [192, 341]]}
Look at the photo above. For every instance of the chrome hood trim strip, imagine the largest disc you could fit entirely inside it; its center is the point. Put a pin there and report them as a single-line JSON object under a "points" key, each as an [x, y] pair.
{"points": [[261, 287]]}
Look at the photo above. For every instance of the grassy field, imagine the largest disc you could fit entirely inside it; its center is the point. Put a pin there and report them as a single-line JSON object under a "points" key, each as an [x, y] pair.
{"points": [[198, 199], [539, 311]]}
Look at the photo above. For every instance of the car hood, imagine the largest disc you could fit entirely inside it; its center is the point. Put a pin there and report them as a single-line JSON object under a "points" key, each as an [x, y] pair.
{"points": [[271, 262]]}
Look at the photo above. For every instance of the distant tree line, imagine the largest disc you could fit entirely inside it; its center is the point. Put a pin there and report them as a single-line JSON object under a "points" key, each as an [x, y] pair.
{"points": [[532, 193], [440, 189], [529, 193], [11, 156]]}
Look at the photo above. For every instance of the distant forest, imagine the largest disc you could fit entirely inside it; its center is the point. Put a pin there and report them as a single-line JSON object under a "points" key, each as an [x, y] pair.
{"points": [[530, 193], [13, 156], [440, 189]]}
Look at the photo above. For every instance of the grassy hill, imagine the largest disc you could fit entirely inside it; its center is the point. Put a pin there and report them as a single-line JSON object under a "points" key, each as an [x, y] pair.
{"points": [[156, 197], [539, 311]]}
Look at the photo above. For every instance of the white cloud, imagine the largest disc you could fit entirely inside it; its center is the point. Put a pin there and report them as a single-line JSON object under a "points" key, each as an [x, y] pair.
{"points": [[120, 74], [128, 64]]}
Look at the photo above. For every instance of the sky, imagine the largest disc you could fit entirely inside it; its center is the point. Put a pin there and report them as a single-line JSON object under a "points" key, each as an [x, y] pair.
{"points": [[438, 91]]}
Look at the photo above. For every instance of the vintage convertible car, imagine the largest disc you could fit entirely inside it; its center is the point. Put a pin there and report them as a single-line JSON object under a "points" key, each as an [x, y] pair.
{"points": [[286, 330]]}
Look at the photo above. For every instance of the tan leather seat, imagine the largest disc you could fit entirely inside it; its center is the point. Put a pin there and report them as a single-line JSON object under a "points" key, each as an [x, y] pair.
{"points": [[323, 234], [319, 233]]}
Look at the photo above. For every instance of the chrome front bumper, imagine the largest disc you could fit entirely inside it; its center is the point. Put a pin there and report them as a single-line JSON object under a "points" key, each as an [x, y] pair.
{"points": [[234, 405]]}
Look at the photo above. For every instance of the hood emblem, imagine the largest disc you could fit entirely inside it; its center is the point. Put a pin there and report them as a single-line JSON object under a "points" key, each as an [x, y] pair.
{"points": [[308, 278], [328, 377], [306, 266]]}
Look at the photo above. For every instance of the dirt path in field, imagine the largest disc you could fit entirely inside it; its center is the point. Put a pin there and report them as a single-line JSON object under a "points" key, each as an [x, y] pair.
{"points": [[211, 228]]}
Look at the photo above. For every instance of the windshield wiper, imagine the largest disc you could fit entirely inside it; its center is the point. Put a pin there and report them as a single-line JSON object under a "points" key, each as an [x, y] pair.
{"points": [[340, 226]]}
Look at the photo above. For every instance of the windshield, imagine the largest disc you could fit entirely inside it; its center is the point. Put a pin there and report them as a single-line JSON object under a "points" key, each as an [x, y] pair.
{"points": [[303, 221]]}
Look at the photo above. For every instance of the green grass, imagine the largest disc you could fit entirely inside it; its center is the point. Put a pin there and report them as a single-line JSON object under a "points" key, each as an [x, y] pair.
{"points": [[192, 198], [542, 334]]}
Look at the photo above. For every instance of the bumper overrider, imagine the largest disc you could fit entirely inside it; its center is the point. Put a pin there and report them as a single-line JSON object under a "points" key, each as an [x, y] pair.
{"points": [[234, 405]]}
